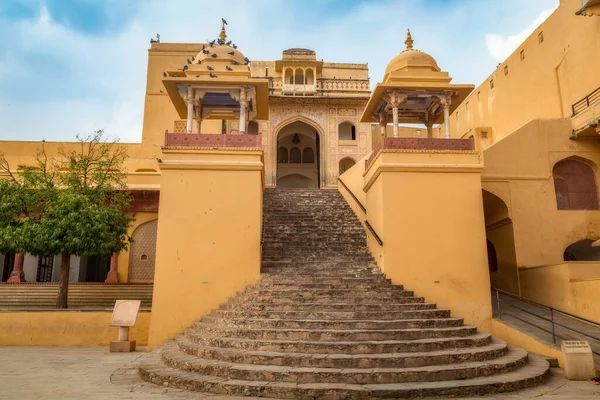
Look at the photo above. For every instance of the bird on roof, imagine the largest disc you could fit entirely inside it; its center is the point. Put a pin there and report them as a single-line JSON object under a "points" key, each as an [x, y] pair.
{"points": [[247, 60], [212, 43], [228, 68], [220, 42], [189, 61], [212, 75], [206, 51], [185, 67], [231, 53], [157, 40], [228, 43], [203, 46], [234, 46], [165, 74], [235, 62], [214, 55], [197, 76], [209, 68], [224, 22]]}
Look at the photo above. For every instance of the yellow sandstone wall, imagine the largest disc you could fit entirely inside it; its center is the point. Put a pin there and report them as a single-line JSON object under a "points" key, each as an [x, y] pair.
{"points": [[66, 328], [209, 231], [433, 232], [554, 74]]}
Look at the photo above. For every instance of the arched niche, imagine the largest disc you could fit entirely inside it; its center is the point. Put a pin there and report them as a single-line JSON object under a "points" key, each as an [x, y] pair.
{"points": [[252, 128], [345, 164], [142, 255], [575, 185], [346, 131]]}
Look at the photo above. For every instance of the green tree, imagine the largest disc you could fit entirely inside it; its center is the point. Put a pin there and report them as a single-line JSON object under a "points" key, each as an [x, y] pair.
{"points": [[75, 204]]}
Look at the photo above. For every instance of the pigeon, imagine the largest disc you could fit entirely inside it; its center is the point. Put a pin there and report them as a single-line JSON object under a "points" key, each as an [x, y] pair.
{"points": [[158, 160], [247, 60], [209, 68], [231, 53], [212, 75], [212, 43], [165, 74], [185, 67], [235, 62], [161, 91], [189, 61], [228, 43], [214, 55], [224, 22], [234, 46], [203, 46], [228, 68], [220, 42], [206, 51], [197, 76]]}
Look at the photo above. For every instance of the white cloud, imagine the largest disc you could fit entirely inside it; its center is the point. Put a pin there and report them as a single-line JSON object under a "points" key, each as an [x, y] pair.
{"points": [[56, 82], [500, 47]]}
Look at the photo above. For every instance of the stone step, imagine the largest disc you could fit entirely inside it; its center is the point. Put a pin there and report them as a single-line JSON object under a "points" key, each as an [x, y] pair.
{"points": [[173, 357], [332, 335], [357, 285], [388, 291], [393, 297], [341, 347], [314, 307], [496, 348], [327, 324], [278, 280], [280, 310], [154, 370]]}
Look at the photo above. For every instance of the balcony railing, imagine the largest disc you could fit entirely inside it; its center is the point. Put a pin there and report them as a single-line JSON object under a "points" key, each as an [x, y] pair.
{"points": [[298, 89], [408, 143], [586, 102], [211, 140]]}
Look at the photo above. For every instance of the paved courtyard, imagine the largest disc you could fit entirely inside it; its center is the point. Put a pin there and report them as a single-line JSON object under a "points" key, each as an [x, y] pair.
{"points": [[73, 373]]}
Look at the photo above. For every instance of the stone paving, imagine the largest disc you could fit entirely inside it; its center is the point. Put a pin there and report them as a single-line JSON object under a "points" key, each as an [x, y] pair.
{"points": [[74, 373]]}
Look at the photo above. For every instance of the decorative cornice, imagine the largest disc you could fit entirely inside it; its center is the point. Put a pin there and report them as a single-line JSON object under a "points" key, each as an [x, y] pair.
{"points": [[213, 150], [219, 165], [274, 99]]}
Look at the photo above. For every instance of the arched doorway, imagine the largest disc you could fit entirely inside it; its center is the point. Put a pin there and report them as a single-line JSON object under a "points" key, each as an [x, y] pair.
{"points": [[502, 258], [345, 164], [582, 251], [298, 156], [142, 255]]}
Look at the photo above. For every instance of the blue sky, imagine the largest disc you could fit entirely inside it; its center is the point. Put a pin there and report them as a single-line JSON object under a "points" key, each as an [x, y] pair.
{"points": [[72, 66]]}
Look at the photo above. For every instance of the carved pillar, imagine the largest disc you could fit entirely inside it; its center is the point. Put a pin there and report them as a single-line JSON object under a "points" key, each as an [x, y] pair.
{"points": [[111, 277], [429, 125], [304, 81], [395, 116], [198, 113], [382, 123], [446, 101], [17, 275], [243, 108], [190, 109]]}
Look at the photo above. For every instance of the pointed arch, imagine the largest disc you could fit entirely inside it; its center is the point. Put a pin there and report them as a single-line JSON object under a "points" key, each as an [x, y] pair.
{"points": [[575, 184]]}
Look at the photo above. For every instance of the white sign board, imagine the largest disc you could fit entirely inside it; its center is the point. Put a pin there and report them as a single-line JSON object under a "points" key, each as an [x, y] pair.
{"points": [[125, 312], [578, 360]]}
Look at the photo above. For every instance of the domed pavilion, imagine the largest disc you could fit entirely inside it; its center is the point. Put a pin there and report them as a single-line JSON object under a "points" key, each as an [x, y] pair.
{"points": [[414, 90]]}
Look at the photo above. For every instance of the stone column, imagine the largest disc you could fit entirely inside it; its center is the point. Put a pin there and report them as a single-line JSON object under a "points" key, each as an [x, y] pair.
{"points": [[190, 109], [446, 101], [111, 277], [304, 81], [17, 275], [243, 106], [429, 126], [198, 114], [395, 113], [382, 123]]}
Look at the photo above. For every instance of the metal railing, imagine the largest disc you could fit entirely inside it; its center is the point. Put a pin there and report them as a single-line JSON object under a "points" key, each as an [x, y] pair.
{"points": [[584, 103], [552, 320]]}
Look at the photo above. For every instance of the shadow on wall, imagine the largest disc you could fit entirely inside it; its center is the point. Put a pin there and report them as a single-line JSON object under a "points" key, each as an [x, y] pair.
{"points": [[582, 251], [295, 181]]}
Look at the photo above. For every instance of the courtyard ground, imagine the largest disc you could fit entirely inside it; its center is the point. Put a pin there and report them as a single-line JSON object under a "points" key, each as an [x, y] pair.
{"points": [[73, 373]]}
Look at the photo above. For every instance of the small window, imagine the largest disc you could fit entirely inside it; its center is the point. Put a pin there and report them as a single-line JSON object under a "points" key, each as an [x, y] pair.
{"points": [[282, 155], [483, 134], [491, 83], [541, 37], [144, 257], [522, 55], [308, 155], [506, 70]]}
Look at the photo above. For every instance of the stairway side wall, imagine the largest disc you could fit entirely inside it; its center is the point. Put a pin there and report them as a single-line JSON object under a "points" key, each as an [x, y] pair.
{"points": [[434, 233], [208, 245]]}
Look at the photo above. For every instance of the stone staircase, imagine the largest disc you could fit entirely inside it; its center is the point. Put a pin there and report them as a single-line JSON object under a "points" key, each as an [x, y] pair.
{"points": [[323, 322]]}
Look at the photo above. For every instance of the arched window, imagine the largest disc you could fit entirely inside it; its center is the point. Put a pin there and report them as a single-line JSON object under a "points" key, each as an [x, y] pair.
{"points": [[295, 156], [252, 128], [282, 155], [308, 155], [346, 131], [582, 251], [492, 258], [575, 186], [310, 77], [298, 78], [346, 164]]}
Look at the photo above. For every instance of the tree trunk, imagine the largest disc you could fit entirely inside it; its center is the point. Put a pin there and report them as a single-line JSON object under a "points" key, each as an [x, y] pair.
{"points": [[63, 285]]}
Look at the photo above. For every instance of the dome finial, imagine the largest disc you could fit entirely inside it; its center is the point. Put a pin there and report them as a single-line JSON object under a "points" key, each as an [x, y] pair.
{"points": [[223, 35], [409, 41]]}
